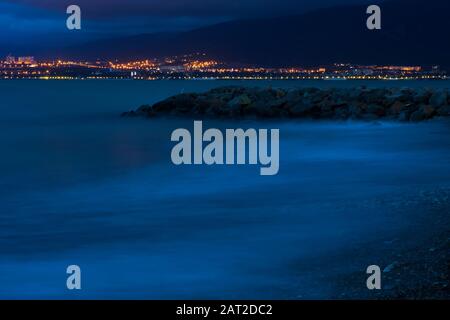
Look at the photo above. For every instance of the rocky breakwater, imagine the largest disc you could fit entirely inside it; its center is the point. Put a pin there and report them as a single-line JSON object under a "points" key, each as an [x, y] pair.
{"points": [[403, 104]]}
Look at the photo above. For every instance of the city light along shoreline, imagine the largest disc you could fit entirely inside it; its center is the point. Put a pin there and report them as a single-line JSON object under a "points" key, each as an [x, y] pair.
{"points": [[200, 67]]}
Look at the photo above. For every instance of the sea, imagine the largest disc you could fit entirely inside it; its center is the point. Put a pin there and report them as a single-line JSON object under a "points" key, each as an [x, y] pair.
{"points": [[79, 185]]}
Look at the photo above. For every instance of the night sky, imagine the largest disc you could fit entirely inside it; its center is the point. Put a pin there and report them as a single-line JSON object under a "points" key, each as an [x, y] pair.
{"points": [[29, 23]]}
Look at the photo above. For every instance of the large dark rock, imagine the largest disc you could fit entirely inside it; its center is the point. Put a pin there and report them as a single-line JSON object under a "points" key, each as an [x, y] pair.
{"points": [[423, 113], [438, 99], [376, 109], [444, 111], [349, 103]]}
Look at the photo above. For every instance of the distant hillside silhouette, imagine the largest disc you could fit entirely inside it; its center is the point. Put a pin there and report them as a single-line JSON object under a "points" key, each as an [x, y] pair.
{"points": [[413, 32]]}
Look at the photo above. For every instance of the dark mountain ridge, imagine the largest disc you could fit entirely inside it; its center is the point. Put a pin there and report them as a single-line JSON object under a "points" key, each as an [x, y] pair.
{"points": [[413, 32]]}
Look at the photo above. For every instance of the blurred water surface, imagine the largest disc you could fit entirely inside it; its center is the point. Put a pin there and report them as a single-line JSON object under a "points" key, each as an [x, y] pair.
{"points": [[80, 185]]}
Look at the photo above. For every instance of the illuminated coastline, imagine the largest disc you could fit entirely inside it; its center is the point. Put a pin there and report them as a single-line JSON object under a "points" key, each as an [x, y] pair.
{"points": [[198, 66]]}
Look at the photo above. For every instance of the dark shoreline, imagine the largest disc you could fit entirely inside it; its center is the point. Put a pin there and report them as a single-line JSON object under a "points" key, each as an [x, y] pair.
{"points": [[416, 263], [414, 269], [367, 104]]}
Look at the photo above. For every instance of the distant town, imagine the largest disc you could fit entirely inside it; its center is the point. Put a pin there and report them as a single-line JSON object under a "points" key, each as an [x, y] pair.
{"points": [[199, 66]]}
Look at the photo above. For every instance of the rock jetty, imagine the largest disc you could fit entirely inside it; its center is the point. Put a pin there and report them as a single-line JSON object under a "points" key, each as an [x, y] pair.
{"points": [[403, 104]]}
